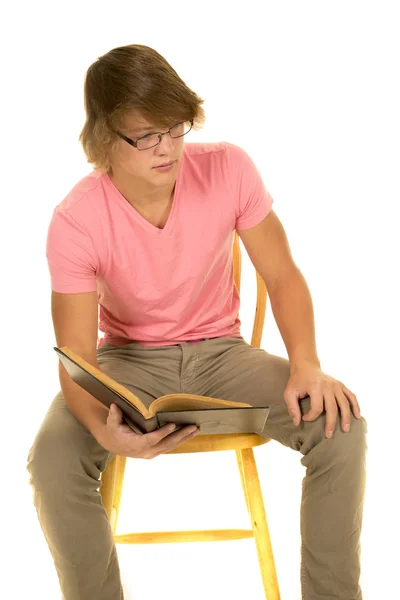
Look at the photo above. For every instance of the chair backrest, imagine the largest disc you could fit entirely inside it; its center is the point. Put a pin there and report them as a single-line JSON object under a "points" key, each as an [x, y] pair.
{"points": [[261, 302]]}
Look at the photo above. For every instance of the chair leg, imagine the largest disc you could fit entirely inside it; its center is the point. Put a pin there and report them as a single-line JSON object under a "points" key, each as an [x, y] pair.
{"points": [[240, 464], [111, 488], [255, 504]]}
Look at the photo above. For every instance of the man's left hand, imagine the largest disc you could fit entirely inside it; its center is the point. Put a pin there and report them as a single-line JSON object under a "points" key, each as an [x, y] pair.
{"points": [[326, 393]]}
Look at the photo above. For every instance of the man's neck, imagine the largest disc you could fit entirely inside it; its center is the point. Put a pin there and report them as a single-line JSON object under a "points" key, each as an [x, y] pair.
{"points": [[145, 199]]}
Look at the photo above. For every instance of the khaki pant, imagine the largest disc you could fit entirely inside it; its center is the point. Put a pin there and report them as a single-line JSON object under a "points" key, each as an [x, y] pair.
{"points": [[65, 463]]}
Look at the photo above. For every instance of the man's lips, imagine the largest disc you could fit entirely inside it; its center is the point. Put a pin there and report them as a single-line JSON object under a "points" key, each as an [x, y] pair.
{"points": [[164, 165]]}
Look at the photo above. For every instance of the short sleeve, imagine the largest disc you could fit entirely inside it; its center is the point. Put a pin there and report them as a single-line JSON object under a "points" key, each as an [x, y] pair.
{"points": [[253, 201], [70, 255]]}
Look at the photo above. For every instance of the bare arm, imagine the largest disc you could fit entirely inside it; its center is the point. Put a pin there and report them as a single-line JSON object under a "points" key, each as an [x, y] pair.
{"points": [[268, 248], [293, 310], [75, 320]]}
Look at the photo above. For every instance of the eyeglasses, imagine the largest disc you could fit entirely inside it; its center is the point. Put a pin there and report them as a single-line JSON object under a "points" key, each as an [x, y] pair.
{"points": [[153, 139]]}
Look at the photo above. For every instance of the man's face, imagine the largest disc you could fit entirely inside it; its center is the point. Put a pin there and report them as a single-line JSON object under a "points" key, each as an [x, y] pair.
{"points": [[140, 164]]}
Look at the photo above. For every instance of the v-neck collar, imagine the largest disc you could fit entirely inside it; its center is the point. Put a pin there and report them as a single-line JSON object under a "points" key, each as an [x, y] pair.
{"points": [[167, 229]]}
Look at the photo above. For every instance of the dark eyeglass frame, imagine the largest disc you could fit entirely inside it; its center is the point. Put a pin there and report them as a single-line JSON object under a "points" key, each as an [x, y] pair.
{"points": [[159, 133]]}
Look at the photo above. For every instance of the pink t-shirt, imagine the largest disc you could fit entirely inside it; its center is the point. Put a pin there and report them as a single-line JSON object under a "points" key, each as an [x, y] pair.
{"points": [[157, 286]]}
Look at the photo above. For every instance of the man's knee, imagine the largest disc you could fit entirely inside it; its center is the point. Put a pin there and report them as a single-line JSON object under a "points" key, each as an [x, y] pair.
{"points": [[352, 443], [49, 456], [62, 446], [344, 448], [346, 456], [352, 451]]}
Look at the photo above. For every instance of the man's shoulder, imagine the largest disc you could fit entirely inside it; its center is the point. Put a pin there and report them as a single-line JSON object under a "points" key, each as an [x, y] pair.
{"points": [[218, 150], [194, 149], [84, 190]]}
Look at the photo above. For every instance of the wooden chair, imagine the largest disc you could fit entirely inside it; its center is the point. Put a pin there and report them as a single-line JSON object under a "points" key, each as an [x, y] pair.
{"points": [[242, 444]]}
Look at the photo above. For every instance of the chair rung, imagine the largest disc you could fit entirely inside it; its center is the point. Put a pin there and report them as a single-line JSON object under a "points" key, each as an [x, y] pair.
{"points": [[170, 537]]}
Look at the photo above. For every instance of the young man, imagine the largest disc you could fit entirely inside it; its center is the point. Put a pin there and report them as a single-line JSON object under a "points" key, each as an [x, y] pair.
{"points": [[151, 247]]}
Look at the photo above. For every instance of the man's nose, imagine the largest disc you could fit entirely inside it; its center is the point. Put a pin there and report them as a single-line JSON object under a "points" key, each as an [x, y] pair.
{"points": [[166, 142]]}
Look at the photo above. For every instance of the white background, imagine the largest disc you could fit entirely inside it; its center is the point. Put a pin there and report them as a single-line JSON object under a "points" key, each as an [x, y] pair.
{"points": [[311, 90]]}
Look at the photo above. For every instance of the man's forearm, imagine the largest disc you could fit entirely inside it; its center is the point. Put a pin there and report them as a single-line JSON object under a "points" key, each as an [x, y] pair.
{"points": [[89, 411], [293, 311]]}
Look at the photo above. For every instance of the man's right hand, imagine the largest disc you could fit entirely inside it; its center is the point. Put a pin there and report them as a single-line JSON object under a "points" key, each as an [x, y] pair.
{"points": [[117, 437]]}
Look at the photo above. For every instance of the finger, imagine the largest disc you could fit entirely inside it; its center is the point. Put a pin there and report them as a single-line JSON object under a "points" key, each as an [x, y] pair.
{"points": [[331, 409], [114, 415], [344, 408], [316, 407], [177, 437], [154, 437], [353, 402], [173, 441], [158, 435], [292, 404]]}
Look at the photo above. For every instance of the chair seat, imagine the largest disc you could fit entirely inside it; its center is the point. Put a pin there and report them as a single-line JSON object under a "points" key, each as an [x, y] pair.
{"points": [[214, 443]]}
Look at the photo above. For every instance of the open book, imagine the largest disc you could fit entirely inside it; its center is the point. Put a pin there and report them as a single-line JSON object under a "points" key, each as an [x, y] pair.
{"points": [[211, 415]]}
